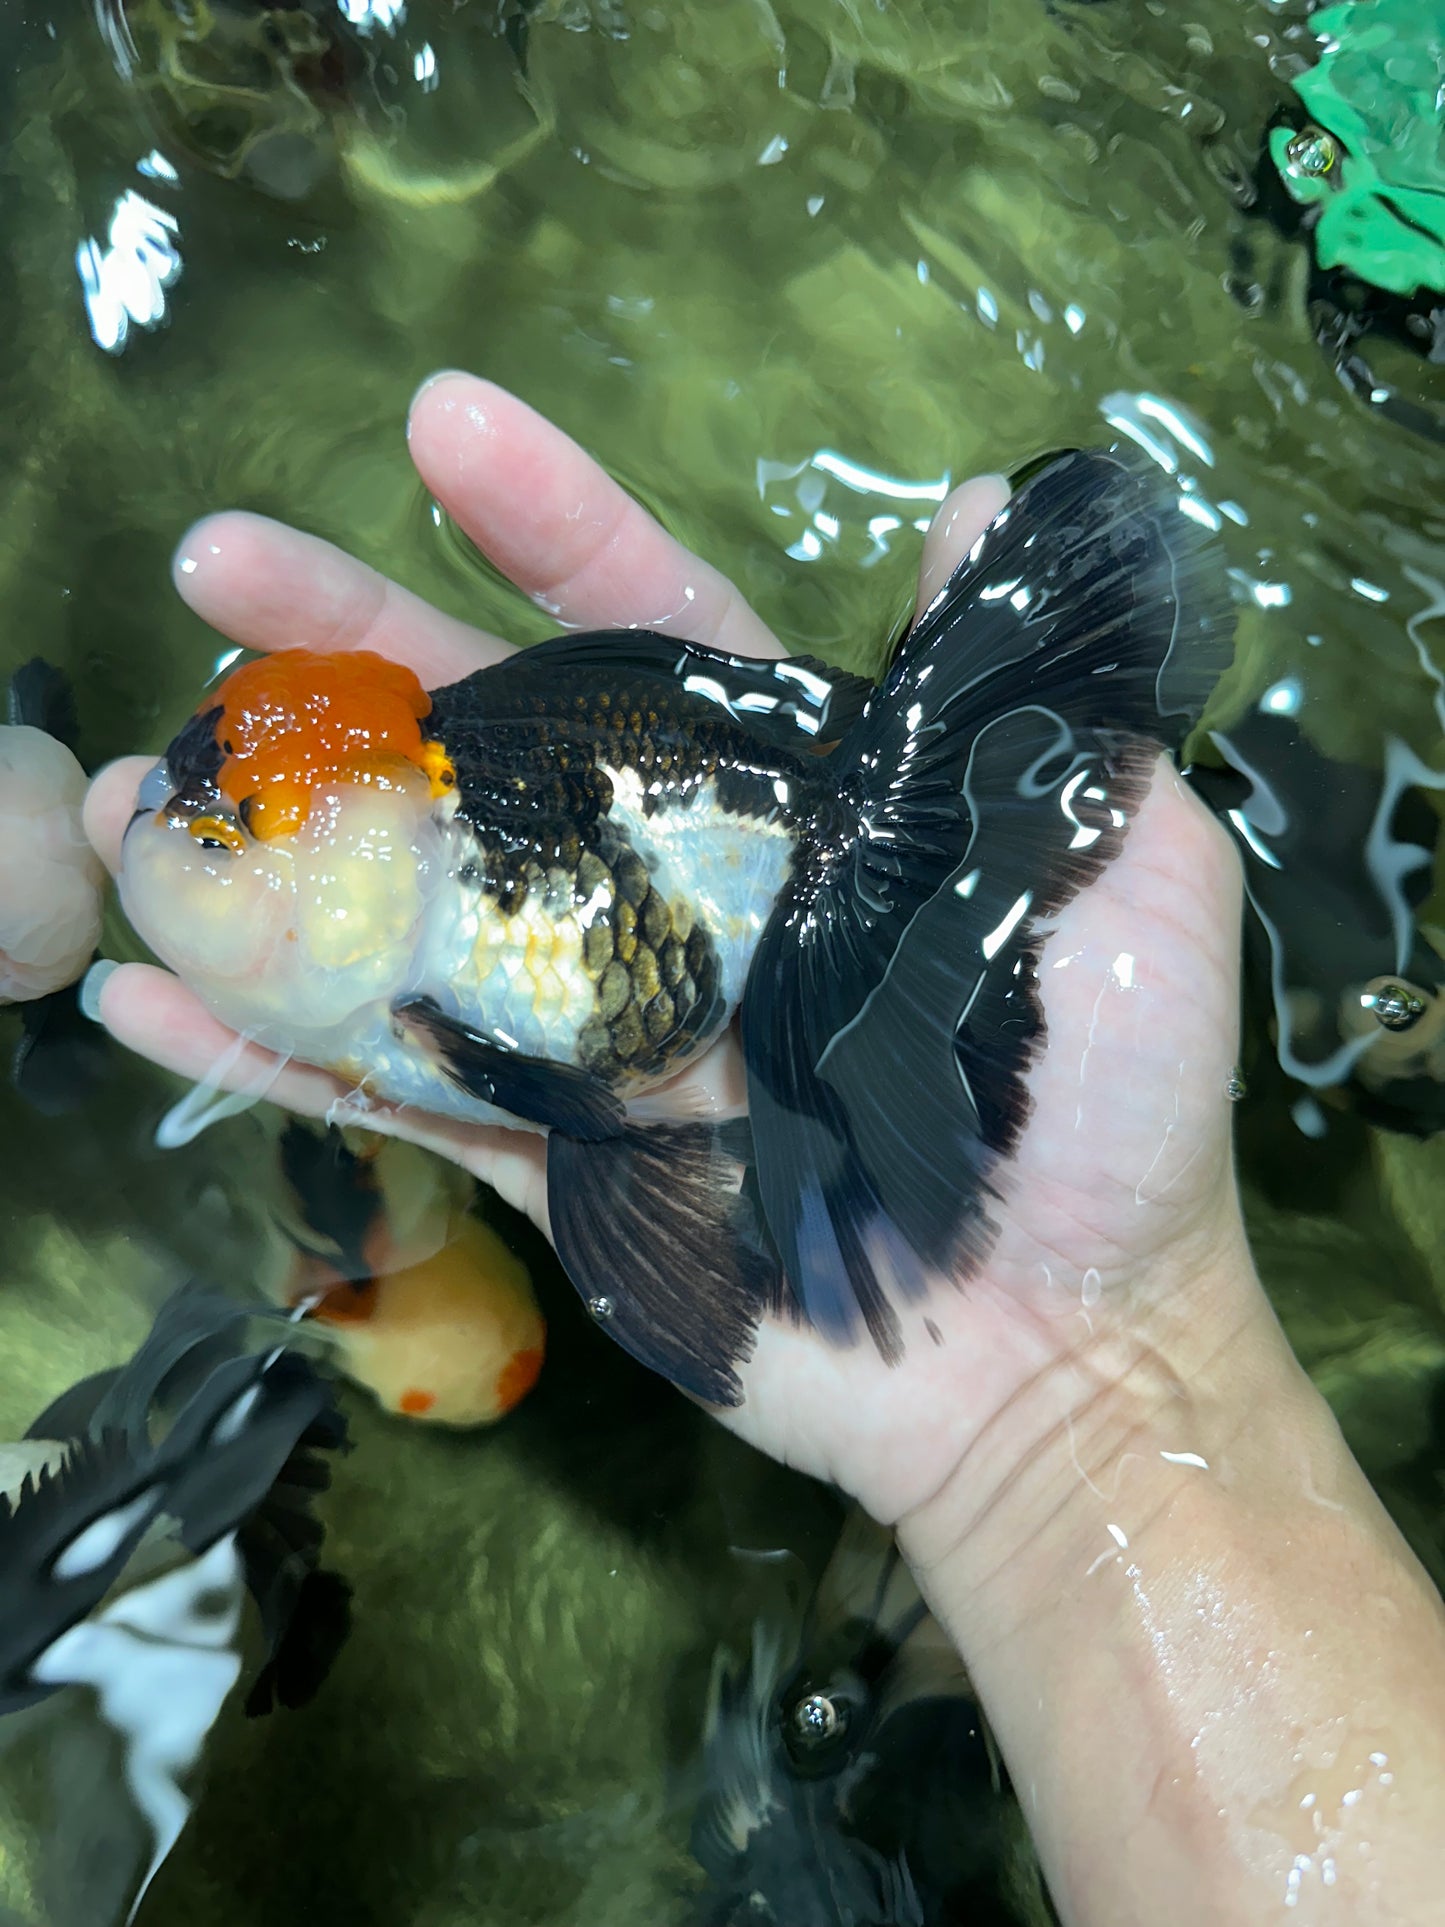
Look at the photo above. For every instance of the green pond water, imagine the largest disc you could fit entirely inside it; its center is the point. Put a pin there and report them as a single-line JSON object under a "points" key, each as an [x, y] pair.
{"points": [[786, 269]]}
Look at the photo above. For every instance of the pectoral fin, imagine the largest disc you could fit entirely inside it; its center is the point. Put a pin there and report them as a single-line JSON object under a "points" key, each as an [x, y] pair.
{"points": [[560, 1096]]}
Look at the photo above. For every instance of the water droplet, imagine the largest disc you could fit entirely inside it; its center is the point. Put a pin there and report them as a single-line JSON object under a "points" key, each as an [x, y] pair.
{"points": [[1312, 153], [601, 1309], [1236, 1088]]}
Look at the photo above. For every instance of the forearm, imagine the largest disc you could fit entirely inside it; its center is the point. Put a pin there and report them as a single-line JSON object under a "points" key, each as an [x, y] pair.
{"points": [[1216, 1671]]}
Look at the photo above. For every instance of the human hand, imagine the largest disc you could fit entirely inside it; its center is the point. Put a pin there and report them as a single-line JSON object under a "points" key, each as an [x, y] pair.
{"points": [[1118, 1235]]}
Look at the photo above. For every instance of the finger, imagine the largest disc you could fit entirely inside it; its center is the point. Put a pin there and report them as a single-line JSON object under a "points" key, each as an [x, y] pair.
{"points": [[555, 522], [110, 804], [513, 1163], [151, 1012], [960, 521], [267, 586]]}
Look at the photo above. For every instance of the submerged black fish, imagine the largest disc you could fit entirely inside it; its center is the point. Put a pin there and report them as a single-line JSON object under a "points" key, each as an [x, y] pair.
{"points": [[1338, 863], [139, 1514], [850, 1777], [532, 897], [93, 1495]]}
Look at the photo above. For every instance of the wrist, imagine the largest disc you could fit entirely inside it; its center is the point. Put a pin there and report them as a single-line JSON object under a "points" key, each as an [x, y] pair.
{"points": [[1204, 1649], [1172, 1374]]}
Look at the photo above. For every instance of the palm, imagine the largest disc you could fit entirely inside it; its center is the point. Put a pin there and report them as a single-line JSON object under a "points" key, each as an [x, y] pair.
{"points": [[1127, 1146], [1126, 1157]]}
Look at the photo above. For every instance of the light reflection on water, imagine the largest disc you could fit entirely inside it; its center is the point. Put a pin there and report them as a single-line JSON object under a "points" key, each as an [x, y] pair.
{"points": [[790, 270]]}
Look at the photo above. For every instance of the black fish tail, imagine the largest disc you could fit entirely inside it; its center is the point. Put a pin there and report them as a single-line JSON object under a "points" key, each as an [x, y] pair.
{"points": [[891, 1016], [242, 1452]]}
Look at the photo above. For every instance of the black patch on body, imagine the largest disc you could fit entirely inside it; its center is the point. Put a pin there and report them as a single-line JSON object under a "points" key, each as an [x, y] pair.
{"points": [[529, 739], [194, 757], [338, 1193]]}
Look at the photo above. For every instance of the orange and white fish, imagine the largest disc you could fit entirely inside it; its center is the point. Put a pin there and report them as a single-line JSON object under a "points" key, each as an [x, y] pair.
{"points": [[51, 880], [428, 1308]]}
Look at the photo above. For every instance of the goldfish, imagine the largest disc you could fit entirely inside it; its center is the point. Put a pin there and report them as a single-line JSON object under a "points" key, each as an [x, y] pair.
{"points": [[51, 881], [849, 1774], [1339, 866], [51, 892], [536, 896], [147, 1518], [427, 1307]]}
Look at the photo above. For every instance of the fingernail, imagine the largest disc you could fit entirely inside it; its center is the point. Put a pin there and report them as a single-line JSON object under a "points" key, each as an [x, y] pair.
{"points": [[92, 984], [442, 374], [981, 486], [192, 550]]}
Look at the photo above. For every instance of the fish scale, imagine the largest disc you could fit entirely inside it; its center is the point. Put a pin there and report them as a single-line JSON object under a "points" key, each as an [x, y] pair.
{"points": [[598, 964], [576, 895]]}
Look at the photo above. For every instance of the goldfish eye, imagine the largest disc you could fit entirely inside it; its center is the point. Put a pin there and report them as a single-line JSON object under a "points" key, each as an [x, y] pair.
{"points": [[1395, 1005], [817, 1723], [217, 833]]}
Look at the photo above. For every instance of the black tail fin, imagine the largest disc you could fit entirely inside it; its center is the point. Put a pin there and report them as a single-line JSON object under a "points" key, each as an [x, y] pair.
{"points": [[891, 1016], [245, 1449]]}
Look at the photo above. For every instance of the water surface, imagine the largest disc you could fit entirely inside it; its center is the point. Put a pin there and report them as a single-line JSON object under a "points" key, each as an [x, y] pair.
{"points": [[789, 271]]}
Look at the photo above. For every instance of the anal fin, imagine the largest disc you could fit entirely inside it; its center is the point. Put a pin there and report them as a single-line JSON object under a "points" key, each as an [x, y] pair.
{"points": [[563, 1097], [658, 1231]]}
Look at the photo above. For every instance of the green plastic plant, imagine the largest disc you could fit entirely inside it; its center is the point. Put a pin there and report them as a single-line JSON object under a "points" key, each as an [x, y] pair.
{"points": [[1375, 163]]}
